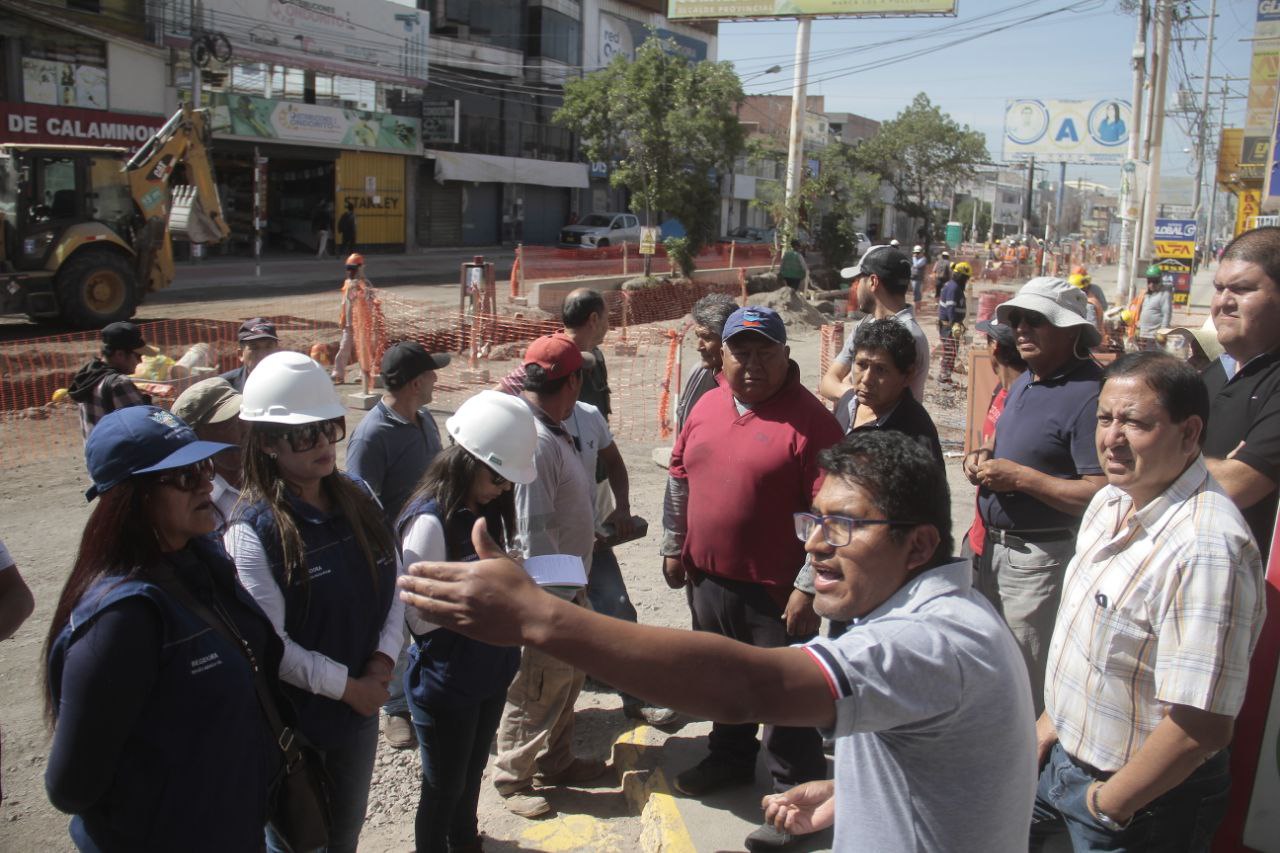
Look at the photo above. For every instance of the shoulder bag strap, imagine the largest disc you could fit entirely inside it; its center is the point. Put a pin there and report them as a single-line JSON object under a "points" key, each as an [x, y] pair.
{"points": [[284, 734]]}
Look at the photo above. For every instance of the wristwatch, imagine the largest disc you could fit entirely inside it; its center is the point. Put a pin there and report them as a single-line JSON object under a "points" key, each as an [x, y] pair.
{"points": [[1102, 817]]}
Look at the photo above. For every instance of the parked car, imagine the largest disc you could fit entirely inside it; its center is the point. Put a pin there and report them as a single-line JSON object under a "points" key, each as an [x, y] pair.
{"points": [[861, 243], [598, 230], [743, 234]]}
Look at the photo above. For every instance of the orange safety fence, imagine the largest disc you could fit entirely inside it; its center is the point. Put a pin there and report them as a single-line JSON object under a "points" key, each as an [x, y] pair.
{"points": [[38, 422], [543, 262]]}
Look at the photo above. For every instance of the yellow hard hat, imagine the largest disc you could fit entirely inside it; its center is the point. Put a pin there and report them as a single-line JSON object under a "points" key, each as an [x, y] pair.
{"points": [[962, 268], [1127, 316], [1079, 280]]}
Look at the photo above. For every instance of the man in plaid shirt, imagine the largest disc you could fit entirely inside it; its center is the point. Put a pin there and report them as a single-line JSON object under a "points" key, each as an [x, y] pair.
{"points": [[1161, 608], [103, 385]]}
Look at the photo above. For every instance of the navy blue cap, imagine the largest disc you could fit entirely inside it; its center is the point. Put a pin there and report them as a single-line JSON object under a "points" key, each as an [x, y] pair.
{"points": [[141, 440], [756, 318]]}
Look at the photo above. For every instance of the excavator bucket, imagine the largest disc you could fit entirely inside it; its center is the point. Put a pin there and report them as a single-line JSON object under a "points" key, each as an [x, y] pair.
{"points": [[188, 218]]}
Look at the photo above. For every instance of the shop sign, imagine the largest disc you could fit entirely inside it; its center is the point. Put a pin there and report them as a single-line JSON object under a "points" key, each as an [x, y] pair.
{"points": [[621, 36], [440, 122], [254, 118], [34, 124], [790, 8], [1176, 238], [1248, 205]]}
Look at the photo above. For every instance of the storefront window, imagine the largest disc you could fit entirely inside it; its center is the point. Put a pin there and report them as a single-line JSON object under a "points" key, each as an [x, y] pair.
{"points": [[60, 68]]}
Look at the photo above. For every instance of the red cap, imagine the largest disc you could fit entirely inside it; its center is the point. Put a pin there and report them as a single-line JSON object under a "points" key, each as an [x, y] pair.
{"points": [[556, 354]]}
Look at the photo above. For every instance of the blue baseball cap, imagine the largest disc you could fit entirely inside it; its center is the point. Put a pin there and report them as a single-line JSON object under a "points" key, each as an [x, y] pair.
{"points": [[758, 319], [141, 440]]}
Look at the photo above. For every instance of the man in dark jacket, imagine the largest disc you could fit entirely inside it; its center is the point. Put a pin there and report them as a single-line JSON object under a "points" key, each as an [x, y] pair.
{"points": [[347, 229], [103, 385]]}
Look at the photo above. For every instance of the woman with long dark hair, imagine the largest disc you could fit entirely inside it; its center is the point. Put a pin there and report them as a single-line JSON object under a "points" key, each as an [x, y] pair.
{"points": [[458, 686], [312, 547], [159, 740]]}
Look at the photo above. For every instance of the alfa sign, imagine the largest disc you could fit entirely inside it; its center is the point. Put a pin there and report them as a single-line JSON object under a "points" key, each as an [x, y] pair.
{"points": [[1176, 238]]}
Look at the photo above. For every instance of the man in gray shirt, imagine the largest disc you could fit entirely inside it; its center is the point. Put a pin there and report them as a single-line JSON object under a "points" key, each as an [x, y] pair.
{"points": [[390, 450], [1157, 305], [926, 693], [555, 514]]}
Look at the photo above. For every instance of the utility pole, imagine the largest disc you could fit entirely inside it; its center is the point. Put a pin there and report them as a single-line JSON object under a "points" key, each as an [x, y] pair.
{"points": [[1026, 201], [196, 29], [1057, 210], [795, 150], [1124, 280], [1202, 143], [1164, 27]]}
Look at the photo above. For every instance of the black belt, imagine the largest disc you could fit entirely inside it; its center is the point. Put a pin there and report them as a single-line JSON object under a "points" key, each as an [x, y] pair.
{"points": [[1017, 537], [1089, 769]]}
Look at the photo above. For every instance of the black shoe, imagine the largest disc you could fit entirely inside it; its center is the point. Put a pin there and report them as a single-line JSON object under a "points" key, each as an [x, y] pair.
{"points": [[765, 837], [711, 775]]}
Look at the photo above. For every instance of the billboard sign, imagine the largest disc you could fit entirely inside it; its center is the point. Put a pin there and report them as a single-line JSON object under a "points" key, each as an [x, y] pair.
{"points": [[1229, 155], [1264, 79], [1067, 131], [367, 39], [620, 36], [677, 9], [441, 121], [252, 118]]}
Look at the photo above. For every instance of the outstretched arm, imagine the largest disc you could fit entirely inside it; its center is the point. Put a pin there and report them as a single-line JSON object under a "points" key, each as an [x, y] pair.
{"points": [[696, 672]]}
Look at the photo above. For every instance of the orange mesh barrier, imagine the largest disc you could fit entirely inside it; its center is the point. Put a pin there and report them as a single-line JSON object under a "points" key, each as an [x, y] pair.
{"points": [[541, 262], [640, 352]]}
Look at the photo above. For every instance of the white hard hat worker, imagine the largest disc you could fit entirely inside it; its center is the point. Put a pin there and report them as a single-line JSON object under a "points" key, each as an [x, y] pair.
{"points": [[498, 430]]}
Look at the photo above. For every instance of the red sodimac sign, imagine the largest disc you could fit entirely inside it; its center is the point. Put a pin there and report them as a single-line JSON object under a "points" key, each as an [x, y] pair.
{"points": [[37, 124]]}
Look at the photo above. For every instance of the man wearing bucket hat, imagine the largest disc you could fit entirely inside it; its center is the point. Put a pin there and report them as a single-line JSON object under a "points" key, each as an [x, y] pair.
{"points": [[211, 407], [1040, 472], [103, 385]]}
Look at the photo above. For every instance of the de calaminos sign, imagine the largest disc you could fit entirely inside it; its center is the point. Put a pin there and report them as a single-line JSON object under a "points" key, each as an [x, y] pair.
{"points": [[37, 124]]}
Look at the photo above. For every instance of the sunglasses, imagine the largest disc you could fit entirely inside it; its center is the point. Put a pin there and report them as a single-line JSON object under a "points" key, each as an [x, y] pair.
{"points": [[190, 478], [307, 436], [1031, 318], [497, 479]]}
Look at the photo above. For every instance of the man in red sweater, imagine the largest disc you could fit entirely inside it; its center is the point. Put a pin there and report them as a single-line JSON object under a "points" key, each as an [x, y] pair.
{"points": [[745, 461]]}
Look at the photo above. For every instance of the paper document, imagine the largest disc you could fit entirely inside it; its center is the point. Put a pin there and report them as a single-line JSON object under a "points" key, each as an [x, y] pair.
{"points": [[563, 571]]}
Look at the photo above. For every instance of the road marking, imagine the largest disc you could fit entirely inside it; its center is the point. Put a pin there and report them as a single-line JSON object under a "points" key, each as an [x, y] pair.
{"points": [[663, 829], [573, 832]]}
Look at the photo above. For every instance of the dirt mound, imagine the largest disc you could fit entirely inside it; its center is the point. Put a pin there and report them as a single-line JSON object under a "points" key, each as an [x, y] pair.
{"points": [[794, 310]]}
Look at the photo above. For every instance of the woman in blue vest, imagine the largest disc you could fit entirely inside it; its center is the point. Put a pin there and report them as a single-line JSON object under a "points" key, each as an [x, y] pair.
{"points": [[457, 686], [159, 740], [312, 547]]}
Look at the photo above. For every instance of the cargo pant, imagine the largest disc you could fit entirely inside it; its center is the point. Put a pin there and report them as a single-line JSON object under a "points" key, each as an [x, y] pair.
{"points": [[535, 735]]}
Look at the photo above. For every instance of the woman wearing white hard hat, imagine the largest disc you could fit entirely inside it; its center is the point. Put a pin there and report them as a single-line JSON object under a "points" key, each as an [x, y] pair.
{"points": [[457, 686], [314, 550]]}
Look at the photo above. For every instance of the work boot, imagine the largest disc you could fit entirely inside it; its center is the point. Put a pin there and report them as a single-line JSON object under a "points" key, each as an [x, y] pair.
{"points": [[526, 804], [765, 837], [711, 775], [399, 732]]}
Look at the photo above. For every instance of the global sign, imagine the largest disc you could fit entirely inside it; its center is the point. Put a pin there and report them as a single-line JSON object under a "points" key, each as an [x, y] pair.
{"points": [[1175, 229]]}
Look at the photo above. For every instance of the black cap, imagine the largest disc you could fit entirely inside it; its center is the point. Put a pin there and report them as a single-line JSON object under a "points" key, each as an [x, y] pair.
{"points": [[123, 336], [890, 264], [256, 329], [405, 361], [1001, 333]]}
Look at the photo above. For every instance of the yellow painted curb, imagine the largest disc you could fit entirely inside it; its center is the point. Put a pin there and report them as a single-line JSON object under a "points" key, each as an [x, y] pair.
{"points": [[662, 827]]}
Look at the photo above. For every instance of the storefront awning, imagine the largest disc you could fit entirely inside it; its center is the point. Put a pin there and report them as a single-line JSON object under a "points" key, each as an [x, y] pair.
{"points": [[490, 168]]}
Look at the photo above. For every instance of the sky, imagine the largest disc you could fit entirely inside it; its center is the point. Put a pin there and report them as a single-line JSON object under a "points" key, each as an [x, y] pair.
{"points": [[1080, 52]]}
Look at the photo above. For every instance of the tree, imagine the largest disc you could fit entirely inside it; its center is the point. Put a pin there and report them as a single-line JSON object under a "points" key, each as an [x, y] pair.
{"points": [[669, 125], [922, 154]]}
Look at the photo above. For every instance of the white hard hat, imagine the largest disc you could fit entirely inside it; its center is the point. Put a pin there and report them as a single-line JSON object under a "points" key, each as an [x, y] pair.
{"points": [[917, 249], [286, 387], [894, 243], [498, 430]]}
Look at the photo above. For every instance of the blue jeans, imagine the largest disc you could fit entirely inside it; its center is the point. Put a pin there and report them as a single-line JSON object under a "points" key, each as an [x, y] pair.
{"points": [[606, 590], [1183, 819], [350, 768], [455, 748]]}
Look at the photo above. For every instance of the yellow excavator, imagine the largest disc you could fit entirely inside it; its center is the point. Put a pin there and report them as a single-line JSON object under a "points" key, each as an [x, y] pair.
{"points": [[87, 230]]}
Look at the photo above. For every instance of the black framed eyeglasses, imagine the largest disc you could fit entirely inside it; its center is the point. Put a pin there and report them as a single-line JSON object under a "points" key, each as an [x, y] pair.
{"points": [[1031, 318], [307, 436], [837, 530], [188, 478]]}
